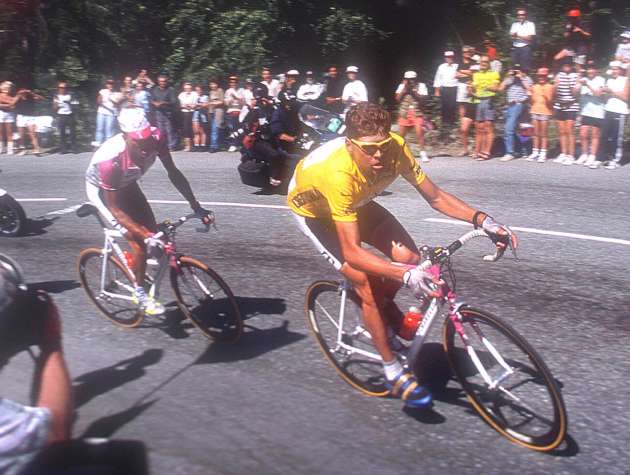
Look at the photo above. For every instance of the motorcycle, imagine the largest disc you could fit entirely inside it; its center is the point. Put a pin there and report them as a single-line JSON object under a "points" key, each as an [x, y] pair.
{"points": [[318, 127], [12, 215]]}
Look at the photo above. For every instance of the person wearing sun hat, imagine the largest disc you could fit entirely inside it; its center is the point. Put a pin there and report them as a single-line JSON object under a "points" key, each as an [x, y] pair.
{"points": [[445, 85], [410, 96], [354, 92], [112, 187]]}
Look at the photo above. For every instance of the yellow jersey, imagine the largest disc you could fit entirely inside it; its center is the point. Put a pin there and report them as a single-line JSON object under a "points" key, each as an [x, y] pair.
{"points": [[327, 183]]}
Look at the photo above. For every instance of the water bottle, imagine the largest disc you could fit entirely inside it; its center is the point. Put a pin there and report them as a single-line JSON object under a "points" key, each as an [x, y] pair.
{"points": [[410, 323], [129, 259]]}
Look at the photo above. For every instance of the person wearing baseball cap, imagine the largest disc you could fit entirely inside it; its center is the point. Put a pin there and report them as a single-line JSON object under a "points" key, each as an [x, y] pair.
{"points": [[577, 40], [112, 187], [523, 33], [354, 92], [410, 96], [445, 85], [622, 53]]}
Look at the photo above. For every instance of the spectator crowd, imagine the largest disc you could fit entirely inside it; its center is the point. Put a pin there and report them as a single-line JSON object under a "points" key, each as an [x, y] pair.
{"points": [[582, 96]]}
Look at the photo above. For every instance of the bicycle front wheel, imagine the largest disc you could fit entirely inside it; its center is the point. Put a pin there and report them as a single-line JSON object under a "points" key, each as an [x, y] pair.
{"points": [[347, 346], [206, 300], [506, 380], [111, 291]]}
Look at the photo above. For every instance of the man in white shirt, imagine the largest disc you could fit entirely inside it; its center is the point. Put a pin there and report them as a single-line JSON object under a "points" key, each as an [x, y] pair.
{"points": [[354, 92], [311, 90], [273, 85], [445, 84], [522, 33]]}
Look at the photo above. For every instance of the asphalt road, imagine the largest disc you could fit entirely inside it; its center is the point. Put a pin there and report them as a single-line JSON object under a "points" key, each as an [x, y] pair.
{"points": [[270, 404]]}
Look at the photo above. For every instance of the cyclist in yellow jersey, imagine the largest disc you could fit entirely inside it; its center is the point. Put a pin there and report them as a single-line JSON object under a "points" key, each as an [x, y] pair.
{"points": [[331, 196]]}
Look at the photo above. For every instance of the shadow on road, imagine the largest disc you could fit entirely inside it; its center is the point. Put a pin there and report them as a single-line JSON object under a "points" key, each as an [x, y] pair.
{"points": [[55, 286], [92, 384], [254, 306], [37, 226], [253, 343], [108, 425]]}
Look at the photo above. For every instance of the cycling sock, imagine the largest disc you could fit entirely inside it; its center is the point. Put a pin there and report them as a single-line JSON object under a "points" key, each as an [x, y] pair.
{"points": [[392, 369]]}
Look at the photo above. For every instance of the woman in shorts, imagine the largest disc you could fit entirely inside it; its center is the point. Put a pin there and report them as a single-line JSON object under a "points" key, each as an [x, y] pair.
{"points": [[541, 112], [566, 107], [200, 120], [187, 103], [592, 112], [7, 116], [410, 94]]}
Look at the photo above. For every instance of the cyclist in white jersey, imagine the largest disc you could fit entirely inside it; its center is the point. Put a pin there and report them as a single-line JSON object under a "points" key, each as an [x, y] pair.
{"points": [[112, 186]]}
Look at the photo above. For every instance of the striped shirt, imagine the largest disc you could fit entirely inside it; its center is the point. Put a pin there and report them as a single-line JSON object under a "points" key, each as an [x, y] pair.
{"points": [[516, 89], [565, 99]]}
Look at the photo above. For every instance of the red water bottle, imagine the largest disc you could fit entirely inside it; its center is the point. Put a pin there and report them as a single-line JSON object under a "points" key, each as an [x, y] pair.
{"points": [[129, 259], [410, 323]]}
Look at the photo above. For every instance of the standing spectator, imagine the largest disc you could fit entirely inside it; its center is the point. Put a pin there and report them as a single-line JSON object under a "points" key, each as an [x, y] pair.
{"points": [[354, 92], [248, 92], [617, 92], [64, 104], [164, 102], [566, 108], [592, 113], [105, 114], [144, 77], [127, 91], [187, 104], [622, 53], [490, 49], [334, 89], [200, 120], [142, 98], [273, 85], [26, 119], [410, 96], [541, 111], [7, 115], [522, 32], [467, 109], [445, 84], [485, 84], [311, 91], [517, 86], [216, 109], [233, 104], [577, 39]]}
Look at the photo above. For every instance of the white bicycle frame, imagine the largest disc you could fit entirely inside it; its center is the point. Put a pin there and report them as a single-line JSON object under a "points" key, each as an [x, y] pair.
{"points": [[435, 308]]}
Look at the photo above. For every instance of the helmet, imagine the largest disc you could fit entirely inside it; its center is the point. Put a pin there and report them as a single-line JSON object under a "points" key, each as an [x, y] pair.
{"points": [[410, 75], [260, 91], [134, 123]]}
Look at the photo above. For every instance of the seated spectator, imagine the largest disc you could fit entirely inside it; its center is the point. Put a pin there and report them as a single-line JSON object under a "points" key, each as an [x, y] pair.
{"points": [[354, 92], [105, 114], [26, 119], [7, 116], [577, 40], [541, 110], [234, 101], [285, 129], [26, 319], [216, 109], [565, 108], [523, 33], [485, 84], [410, 96], [516, 86], [616, 92], [187, 103], [622, 53], [334, 89], [200, 120], [65, 105], [311, 91], [592, 112]]}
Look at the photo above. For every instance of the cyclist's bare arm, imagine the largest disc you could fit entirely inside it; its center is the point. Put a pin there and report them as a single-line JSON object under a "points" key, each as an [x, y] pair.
{"points": [[178, 179], [446, 203], [362, 259], [135, 230]]}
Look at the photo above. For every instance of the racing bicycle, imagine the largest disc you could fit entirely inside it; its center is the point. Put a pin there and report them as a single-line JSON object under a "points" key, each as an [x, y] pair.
{"points": [[504, 378], [202, 296]]}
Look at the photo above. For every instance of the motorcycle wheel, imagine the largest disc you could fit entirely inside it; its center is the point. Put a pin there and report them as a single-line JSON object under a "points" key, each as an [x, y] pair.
{"points": [[12, 217]]}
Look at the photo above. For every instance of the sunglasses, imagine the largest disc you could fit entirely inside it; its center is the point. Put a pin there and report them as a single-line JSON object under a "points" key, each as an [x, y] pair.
{"points": [[370, 148]]}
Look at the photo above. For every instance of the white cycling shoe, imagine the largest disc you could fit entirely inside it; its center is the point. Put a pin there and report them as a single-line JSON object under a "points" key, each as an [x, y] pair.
{"points": [[148, 304]]}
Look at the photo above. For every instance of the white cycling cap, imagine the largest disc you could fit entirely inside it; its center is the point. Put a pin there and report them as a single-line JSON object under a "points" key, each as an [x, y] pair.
{"points": [[410, 75], [449, 53], [134, 123], [293, 72], [617, 64], [352, 69]]}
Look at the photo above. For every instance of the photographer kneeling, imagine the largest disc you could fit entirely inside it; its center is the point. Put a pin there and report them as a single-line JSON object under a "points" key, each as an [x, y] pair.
{"points": [[31, 318]]}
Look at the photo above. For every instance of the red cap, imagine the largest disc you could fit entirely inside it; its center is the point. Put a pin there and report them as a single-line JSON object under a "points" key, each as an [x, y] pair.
{"points": [[574, 13]]}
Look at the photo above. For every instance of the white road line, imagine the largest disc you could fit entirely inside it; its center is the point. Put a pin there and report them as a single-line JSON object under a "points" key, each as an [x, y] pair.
{"points": [[585, 237], [25, 200], [220, 203]]}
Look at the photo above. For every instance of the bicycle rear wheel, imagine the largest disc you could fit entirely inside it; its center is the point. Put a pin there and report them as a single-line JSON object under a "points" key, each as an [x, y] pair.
{"points": [[343, 351], [206, 300], [115, 298], [519, 398], [12, 217]]}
